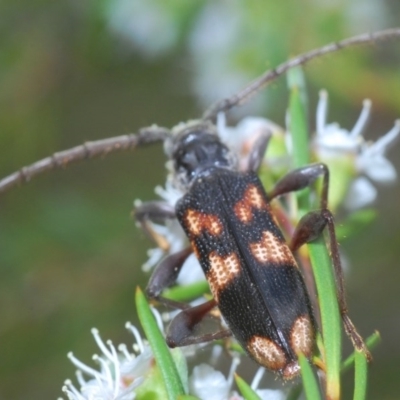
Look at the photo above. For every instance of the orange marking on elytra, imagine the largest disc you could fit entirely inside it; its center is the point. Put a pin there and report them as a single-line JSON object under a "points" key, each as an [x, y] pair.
{"points": [[266, 353], [252, 199], [222, 270], [302, 336], [197, 222], [272, 249]]}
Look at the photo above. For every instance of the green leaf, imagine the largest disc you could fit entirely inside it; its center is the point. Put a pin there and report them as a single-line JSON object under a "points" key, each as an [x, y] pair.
{"points": [[342, 173], [247, 392], [153, 386], [310, 383], [360, 376], [320, 259], [162, 355], [330, 317], [299, 129], [187, 292], [298, 119]]}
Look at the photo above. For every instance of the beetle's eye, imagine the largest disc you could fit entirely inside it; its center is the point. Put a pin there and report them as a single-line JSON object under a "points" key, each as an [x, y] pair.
{"points": [[189, 160]]}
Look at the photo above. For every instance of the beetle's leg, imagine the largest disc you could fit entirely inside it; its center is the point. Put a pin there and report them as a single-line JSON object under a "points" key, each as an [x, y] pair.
{"points": [[301, 178], [181, 327], [311, 226], [308, 229], [152, 211], [165, 275], [257, 152], [180, 330]]}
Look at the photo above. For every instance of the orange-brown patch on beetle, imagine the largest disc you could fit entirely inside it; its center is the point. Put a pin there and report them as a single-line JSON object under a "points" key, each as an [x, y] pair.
{"points": [[270, 249], [197, 221], [267, 353], [223, 269], [252, 199], [302, 336]]}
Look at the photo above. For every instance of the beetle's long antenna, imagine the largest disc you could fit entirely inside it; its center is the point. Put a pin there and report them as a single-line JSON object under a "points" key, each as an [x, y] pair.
{"points": [[153, 133], [270, 75], [97, 148]]}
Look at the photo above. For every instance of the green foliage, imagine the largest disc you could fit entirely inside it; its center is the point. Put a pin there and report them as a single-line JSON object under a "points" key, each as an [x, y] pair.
{"points": [[162, 354], [247, 392]]}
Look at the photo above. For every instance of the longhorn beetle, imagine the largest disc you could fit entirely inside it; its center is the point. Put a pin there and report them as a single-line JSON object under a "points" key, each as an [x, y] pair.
{"points": [[226, 214]]}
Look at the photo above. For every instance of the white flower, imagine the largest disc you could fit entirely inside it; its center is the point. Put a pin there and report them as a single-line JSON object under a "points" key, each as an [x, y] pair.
{"points": [[152, 29], [170, 230], [245, 133], [210, 384], [213, 47], [372, 159], [191, 272], [174, 235], [265, 394], [367, 158], [271, 394], [120, 371], [350, 158], [241, 138]]}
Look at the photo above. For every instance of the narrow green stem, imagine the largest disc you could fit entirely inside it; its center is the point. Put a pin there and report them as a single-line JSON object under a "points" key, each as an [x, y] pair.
{"points": [[162, 355], [330, 317], [309, 381]]}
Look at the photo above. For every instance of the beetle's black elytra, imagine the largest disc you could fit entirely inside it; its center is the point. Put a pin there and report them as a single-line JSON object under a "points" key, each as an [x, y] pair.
{"points": [[252, 273]]}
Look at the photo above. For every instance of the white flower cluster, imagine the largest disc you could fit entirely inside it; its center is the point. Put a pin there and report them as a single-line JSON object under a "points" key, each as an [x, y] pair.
{"points": [[121, 372], [333, 142], [330, 143], [175, 237]]}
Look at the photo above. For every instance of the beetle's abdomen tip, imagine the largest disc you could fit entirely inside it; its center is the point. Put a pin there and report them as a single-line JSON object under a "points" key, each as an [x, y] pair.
{"points": [[291, 370]]}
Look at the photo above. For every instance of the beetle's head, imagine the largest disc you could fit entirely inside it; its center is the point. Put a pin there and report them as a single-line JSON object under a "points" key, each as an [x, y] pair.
{"points": [[195, 149]]}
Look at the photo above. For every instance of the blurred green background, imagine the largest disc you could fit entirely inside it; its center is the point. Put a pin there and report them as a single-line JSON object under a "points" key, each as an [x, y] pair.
{"points": [[72, 71]]}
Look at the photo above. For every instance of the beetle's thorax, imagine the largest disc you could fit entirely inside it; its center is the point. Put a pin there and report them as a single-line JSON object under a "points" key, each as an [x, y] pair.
{"points": [[195, 151]]}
